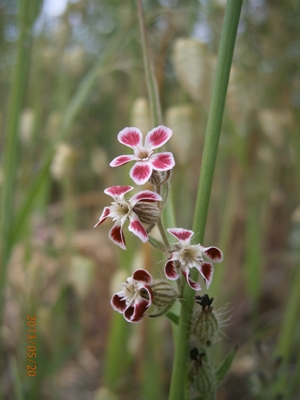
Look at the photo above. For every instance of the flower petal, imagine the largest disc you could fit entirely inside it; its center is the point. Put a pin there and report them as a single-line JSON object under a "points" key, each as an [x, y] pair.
{"points": [[117, 236], [193, 285], [145, 195], [118, 303], [212, 253], [180, 233], [128, 313], [136, 227], [171, 271], [157, 137], [139, 311], [141, 172], [115, 191], [162, 161], [131, 137], [142, 275], [116, 162], [103, 216], [207, 271]]}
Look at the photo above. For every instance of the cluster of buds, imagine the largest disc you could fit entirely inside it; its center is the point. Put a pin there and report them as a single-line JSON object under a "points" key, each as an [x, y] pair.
{"points": [[143, 212]]}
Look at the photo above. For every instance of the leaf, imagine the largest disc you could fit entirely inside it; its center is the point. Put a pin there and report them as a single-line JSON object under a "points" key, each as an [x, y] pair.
{"points": [[173, 317], [224, 367]]}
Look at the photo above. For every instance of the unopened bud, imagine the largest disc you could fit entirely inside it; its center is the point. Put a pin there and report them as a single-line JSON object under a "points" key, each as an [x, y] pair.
{"points": [[158, 178], [164, 294], [148, 213], [205, 322], [201, 374]]}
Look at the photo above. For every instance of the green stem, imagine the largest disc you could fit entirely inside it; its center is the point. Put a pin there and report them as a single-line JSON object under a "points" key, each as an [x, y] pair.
{"points": [[149, 71], [226, 48], [152, 91]]}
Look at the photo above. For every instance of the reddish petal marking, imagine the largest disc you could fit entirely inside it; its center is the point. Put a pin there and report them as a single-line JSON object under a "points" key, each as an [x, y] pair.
{"points": [[162, 161], [142, 275], [114, 191], [180, 233], [137, 228], [103, 216], [128, 313], [131, 137], [140, 310], [157, 137], [207, 271], [145, 195], [149, 290], [171, 271], [141, 172], [213, 254], [116, 162], [117, 236], [192, 284], [118, 303]]}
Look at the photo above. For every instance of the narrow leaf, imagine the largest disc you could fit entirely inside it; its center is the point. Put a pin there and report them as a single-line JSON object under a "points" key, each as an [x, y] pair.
{"points": [[224, 367], [173, 317]]}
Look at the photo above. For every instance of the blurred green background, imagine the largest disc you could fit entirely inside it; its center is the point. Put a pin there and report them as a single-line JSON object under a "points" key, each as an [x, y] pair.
{"points": [[71, 78]]}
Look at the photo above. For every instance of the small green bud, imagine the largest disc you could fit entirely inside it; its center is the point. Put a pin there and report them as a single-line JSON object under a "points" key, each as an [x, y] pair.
{"points": [[205, 322], [201, 374], [148, 213], [164, 296], [158, 178]]}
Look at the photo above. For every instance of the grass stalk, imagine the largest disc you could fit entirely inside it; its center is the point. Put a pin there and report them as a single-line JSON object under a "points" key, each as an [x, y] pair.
{"points": [[26, 16], [225, 54]]}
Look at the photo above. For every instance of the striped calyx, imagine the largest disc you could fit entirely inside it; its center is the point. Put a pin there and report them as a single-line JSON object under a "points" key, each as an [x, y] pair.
{"points": [[164, 294], [148, 213], [159, 178], [201, 374], [205, 322]]}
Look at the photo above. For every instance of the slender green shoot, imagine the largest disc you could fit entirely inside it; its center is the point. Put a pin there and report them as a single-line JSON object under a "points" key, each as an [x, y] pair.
{"points": [[226, 48]]}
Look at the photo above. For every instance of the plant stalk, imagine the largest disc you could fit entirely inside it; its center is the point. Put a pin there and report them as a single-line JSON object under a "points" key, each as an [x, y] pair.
{"points": [[225, 55]]}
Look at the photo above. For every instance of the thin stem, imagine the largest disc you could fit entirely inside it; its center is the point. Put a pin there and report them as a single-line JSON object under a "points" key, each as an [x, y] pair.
{"points": [[163, 234], [153, 94], [149, 71], [227, 41]]}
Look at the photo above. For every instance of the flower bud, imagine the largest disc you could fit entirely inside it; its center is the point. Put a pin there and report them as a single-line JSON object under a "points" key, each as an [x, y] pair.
{"points": [[158, 178], [201, 374], [164, 294], [147, 212], [205, 322]]}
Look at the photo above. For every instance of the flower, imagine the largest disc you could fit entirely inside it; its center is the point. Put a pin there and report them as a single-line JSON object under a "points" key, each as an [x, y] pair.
{"points": [[147, 161], [185, 256], [122, 209], [135, 297]]}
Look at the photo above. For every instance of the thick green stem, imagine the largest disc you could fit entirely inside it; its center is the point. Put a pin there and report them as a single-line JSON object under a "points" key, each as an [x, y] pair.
{"points": [[227, 41]]}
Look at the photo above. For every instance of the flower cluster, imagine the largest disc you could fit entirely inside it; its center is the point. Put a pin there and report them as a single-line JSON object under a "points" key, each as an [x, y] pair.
{"points": [[143, 211]]}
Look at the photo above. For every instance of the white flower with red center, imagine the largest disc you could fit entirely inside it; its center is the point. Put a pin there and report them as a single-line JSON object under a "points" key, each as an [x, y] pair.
{"points": [[135, 297], [121, 210], [146, 160], [185, 256]]}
